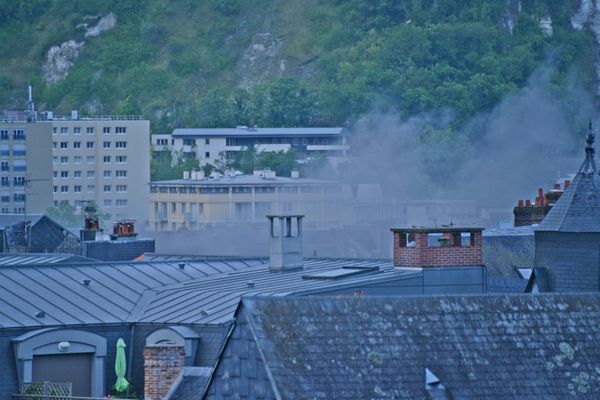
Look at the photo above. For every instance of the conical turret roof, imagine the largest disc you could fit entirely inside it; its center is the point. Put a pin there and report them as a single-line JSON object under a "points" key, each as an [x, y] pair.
{"points": [[578, 209]]}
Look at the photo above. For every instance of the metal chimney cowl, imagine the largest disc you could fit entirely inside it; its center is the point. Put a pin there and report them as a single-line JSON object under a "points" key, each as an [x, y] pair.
{"points": [[285, 242]]}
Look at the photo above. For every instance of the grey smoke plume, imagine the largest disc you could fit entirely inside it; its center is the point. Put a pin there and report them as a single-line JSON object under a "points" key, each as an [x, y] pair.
{"points": [[527, 141]]}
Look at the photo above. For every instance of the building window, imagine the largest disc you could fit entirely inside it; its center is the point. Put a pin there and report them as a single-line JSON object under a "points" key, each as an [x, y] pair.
{"points": [[121, 129], [106, 129], [91, 188], [107, 173], [106, 159], [64, 174], [18, 196], [107, 203], [207, 141], [90, 174], [18, 134], [77, 130], [121, 202], [55, 174], [55, 145], [76, 174], [19, 181], [106, 188], [89, 145], [77, 159], [4, 167], [78, 203], [90, 159], [121, 159], [121, 188], [89, 130], [54, 159], [121, 145], [173, 207], [4, 181], [188, 142], [207, 154], [121, 173], [4, 134], [77, 188], [106, 145], [64, 145], [64, 130], [55, 188], [64, 159], [64, 189]]}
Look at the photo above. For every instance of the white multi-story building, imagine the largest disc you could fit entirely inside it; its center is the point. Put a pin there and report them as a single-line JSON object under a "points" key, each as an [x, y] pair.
{"points": [[102, 159], [211, 144]]}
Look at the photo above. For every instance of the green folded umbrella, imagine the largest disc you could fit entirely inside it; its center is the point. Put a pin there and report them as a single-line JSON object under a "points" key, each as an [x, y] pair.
{"points": [[120, 367]]}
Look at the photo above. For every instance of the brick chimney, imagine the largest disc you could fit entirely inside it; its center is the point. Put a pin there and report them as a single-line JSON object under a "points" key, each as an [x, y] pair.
{"points": [[437, 247], [285, 242], [163, 365]]}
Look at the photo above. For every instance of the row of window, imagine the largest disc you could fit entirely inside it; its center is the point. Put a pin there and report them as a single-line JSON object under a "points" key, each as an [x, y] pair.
{"points": [[90, 174], [18, 134], [90, 188], [89, 159], [242, 189], [17, 166], [16, 210], [89, 130], [186, 141], [90, 145], [305, 141], [105, 203], [17, 181], [18, 197]]}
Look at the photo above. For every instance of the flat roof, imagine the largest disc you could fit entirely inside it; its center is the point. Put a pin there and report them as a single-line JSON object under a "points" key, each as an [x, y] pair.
{"points": [[254, 132], [242, 180], [441, 229]]}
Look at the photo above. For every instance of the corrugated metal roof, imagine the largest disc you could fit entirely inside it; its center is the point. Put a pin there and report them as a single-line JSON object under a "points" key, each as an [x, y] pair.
{"points": [[214, 300], [250, 132], [114, 288]]}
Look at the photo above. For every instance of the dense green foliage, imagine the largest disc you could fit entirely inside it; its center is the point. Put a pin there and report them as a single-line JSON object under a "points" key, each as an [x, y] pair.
{"points": [[178, 63], [67, 215]]}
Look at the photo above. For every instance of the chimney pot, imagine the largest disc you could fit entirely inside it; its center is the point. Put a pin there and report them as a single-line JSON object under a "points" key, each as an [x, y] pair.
{"points": [[567, 183], [527, 203], [520, 203], [556, 186]]}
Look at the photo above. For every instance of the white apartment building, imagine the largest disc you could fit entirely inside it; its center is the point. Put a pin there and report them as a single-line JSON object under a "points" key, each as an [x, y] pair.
{"points": [[102, 159], [210, 144]]}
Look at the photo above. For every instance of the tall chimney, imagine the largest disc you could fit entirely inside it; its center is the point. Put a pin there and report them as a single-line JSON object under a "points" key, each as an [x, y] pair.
{"points": [[286, 242]]}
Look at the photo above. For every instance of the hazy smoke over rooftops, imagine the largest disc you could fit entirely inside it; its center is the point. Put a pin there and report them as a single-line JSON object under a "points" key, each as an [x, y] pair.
{"points": [[525, 142]]}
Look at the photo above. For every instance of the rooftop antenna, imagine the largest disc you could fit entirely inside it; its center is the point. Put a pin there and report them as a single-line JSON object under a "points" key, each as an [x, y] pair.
{"points": [[30, 104]]}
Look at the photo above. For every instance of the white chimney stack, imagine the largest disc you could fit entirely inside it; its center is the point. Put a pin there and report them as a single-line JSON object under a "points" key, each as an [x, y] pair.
{"points": [[186, 174], [295, 174], [286, 242]]}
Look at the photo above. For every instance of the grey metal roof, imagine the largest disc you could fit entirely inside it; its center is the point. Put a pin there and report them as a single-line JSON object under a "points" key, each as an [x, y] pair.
{"points": [[243, 180], [213, 300], [257, 132], [485, 346], [16, 259], [60, 292], [578, 208]]}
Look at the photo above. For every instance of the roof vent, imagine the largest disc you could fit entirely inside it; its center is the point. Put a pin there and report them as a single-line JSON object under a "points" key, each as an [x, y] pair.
{"points": [[250, 284], [40, 314], [204, 311], [86, 282], [181, 265]]}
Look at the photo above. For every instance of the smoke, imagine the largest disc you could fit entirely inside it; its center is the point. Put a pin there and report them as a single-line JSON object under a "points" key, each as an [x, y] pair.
{"points": [[527, 141]]}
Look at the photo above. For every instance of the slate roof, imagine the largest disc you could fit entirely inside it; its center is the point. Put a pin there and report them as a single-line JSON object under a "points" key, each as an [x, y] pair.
{"points": [[254, 132], [193, 383], [60, 292], [215, 299], [485, 346], [578, 208]]}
